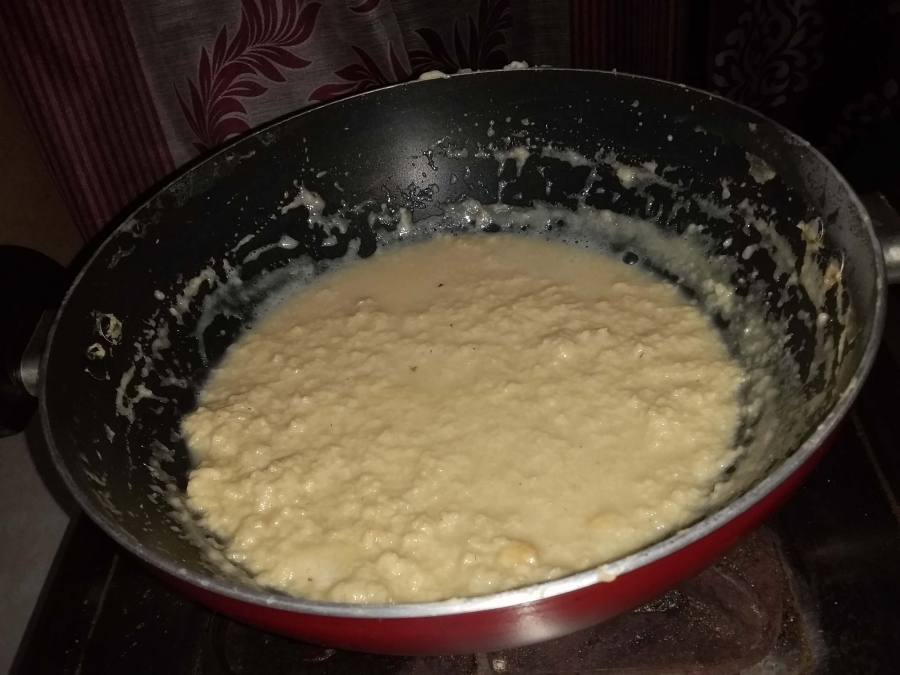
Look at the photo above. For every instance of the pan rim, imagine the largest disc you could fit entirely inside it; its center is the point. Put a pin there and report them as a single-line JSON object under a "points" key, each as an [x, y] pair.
{"points": [[518, 596]]}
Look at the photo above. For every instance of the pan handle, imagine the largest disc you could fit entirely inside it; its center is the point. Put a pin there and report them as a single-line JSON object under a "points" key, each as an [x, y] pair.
{"points": [[31, 288], [886, 222]]}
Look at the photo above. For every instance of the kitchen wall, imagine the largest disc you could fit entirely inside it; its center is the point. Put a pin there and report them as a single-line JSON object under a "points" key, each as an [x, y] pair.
{"points": [[31, 211], [32, 522]]}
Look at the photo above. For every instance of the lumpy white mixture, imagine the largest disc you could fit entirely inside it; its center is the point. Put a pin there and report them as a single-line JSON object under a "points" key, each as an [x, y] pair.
{"points": [[458, 417]]}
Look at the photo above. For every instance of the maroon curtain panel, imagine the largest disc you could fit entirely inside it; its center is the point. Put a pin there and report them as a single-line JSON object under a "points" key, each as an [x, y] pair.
{"points": [[119, 93], [645, 37], [74, 69]]}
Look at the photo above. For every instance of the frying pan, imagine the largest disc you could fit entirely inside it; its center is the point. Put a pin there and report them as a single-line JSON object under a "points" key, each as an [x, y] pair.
{"points": [[176, 283]]}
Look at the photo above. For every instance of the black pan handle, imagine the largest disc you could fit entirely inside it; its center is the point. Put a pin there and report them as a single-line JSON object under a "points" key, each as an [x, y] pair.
{"points": [[31, 287], [886, 222], [870, 164]]}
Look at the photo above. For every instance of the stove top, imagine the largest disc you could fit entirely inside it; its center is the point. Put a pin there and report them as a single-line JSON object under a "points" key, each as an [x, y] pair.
{"points": [[816, 591]]}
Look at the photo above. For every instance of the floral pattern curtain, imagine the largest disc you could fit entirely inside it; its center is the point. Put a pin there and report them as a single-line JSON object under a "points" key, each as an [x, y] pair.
{"points": [[214, 76], [828, 69], [120, 93]]}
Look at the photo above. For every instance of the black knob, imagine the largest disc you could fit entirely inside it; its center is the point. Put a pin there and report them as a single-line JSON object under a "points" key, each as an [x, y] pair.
{"points": [[30, 284]]}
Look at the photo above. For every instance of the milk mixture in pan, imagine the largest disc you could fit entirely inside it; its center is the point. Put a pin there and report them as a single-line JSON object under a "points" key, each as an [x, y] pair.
{"points": [[458, 417]]}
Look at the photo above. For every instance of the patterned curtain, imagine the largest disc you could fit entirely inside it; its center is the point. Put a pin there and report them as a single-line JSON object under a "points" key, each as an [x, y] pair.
{"points": [[828, 69], [119, 93]]}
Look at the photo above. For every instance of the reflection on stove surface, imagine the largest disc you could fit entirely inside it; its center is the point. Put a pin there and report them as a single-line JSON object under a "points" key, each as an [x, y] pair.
{"points": [[732, 617]]}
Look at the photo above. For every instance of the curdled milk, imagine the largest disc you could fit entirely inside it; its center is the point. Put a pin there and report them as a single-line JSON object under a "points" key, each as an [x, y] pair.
{"points": [[462, 416]]}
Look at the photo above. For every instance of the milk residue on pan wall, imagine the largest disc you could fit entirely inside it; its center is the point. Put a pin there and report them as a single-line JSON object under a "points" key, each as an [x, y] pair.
{"points": [[771, 428]]}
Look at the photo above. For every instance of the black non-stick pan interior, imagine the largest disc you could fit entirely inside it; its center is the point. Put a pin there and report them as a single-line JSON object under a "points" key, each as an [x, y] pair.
{"points": [[127, 359]]}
